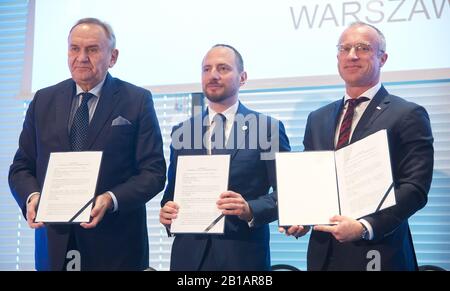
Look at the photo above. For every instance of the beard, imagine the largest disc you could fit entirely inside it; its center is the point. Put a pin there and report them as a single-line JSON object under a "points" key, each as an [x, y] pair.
{"points": [[219, 96]]}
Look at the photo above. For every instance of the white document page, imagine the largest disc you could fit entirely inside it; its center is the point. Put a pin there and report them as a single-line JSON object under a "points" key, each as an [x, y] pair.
{"points": [[199, 182], [364, 175], [69, 185], [306, 188]]}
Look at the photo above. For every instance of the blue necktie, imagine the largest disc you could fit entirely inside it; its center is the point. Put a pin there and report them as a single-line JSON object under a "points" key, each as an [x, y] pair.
{"points": [[80, 124], [218, 134]]}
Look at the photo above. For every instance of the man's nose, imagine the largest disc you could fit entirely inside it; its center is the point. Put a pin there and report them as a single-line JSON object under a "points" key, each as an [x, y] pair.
{"points": [[214, 74], [83, 56], [352, 53]]}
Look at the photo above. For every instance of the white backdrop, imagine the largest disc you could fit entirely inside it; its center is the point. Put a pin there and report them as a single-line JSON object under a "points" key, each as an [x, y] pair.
{"points": [[162, 42]]}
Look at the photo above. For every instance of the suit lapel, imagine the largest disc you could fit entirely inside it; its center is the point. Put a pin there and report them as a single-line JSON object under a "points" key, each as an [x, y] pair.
{"points": [[106, 104], [234, 144], [335, 114], [63, 107], [205, 127], [379, 103]]}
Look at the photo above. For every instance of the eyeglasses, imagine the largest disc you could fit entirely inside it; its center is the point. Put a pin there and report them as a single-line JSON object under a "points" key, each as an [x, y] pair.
{"points": [[360, 49]]}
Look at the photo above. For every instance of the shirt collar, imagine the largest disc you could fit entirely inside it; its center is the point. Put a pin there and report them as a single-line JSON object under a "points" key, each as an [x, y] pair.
{"points": [[229, 113], [96, 91], [370, 93]]}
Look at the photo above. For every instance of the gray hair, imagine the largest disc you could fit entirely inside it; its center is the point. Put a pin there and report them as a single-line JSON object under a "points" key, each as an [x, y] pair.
{"points": [[106, 27], [381, 38]]}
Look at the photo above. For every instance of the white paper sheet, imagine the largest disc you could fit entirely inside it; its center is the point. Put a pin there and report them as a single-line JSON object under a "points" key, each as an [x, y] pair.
{"points": [[69, 185], [306, 187], [364, 175], [199, 182]]}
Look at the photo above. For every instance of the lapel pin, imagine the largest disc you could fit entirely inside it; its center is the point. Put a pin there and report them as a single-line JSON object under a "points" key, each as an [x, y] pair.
{"points": [[244, 127]]}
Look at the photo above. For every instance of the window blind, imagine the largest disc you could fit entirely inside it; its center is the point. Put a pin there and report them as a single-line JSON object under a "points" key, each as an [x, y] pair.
{"points": [[16, 239]]}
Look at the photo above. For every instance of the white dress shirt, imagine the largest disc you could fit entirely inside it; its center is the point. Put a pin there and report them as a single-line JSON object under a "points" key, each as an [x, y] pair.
{"points": [[229, 114], [359, 111]]}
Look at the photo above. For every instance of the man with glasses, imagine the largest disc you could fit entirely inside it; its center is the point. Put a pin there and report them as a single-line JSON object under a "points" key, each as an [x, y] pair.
{"points": [[381, 241]]}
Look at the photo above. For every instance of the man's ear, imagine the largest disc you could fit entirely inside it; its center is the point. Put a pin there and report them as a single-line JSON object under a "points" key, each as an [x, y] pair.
{"points": [[383, 59], [114, 56], [243, 78]]}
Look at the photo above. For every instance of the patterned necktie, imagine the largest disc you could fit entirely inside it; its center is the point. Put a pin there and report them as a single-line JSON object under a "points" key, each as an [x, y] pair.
{"points": [[218, 134], [80, 124], [346, 125]]}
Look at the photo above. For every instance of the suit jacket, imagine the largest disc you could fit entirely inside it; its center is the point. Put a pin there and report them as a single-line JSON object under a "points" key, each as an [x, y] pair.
{"points": [[241, 247], [133, 168], [411, 150]]}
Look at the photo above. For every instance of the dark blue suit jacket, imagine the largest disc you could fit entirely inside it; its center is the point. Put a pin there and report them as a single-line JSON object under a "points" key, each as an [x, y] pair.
{"points": [[411, 150], [241, 247], [133, 168]]}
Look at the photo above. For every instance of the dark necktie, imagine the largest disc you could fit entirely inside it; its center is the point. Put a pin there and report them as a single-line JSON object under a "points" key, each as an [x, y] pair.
{"points": [[346, 125], [80, 124], [218, 134]]}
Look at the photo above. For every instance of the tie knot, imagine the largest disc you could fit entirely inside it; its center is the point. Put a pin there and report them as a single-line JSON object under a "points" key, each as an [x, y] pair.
{"points": [[86, 97], [219, 118], [357, 101]]}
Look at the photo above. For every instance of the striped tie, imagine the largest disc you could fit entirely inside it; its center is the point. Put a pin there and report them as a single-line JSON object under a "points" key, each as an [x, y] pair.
{"points": [[80, 124], [346, 126]]}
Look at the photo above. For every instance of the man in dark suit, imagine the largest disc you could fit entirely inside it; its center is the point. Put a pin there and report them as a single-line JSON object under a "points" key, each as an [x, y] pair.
{"points": [[251, 140], [381, 241], [119, 120]]}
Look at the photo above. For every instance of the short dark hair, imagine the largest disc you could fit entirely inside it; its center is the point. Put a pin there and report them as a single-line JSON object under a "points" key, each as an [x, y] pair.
{"points": [[239, 60], [106, 27]]}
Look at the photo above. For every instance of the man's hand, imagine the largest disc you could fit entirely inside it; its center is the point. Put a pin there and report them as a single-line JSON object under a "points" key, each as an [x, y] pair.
{"points": [[295, 230], [346, 230], [102, 204], [232, 203], [168, 212], [31, 212]]}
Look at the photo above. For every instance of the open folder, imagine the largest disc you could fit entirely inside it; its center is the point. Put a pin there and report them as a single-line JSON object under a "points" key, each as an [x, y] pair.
{"points": [[353, 181]]}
